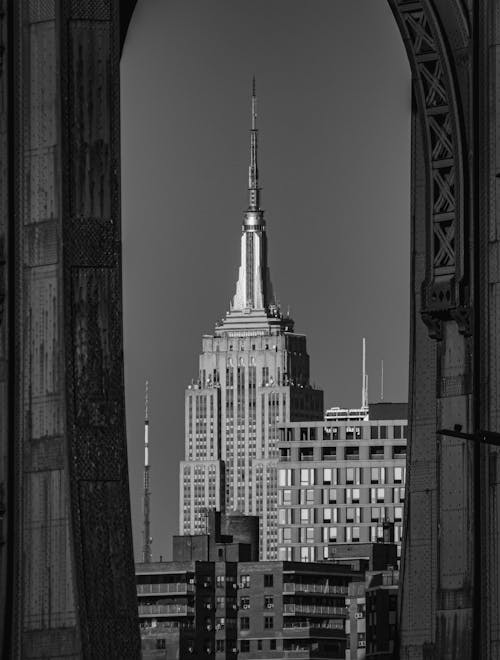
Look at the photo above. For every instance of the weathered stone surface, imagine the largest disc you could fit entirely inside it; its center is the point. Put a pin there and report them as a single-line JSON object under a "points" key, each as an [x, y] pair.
{"points": [[71, 587]]}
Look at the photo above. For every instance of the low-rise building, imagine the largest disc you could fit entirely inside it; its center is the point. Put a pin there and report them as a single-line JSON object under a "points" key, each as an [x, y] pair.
{"points": [[216, 598], [381, 615], [356, 621], [292, 609], [371, 627]]}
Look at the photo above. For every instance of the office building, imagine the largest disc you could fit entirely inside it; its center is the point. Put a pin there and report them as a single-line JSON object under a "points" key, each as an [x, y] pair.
{"points": [[253, 377], [338, 482]]}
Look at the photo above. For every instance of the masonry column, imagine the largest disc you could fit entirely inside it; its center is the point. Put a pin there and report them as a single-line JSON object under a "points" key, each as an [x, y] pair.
{"points": [[71, 549]]}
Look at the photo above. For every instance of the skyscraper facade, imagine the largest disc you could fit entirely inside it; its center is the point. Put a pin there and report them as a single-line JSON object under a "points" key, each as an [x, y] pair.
{"points": [[253, 377]]}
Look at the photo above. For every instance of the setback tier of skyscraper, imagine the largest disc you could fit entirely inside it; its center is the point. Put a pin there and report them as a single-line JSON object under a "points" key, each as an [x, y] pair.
{"points": [[253, 377]]}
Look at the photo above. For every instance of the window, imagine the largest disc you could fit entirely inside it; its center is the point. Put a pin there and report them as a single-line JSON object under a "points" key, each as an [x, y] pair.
{"points": [[287, 534], [306, 553], [220, 580], [245, 581], [399, 451], [268, 622], [285, 516], [329, 453], [398, 475], [380, 495], [377, 475], [352, 453], [268, 580], [329, 534], [355, 495], [259, 645], [272, 644], [357, 432], [268, 602], [307, 496], [330, 496], [306, 516], [398, 513], [355, 534], [353, 514], [397, 432], [219, 645], [383, 432], [287, 496], [327, 515], [285, 477], [245, 603], [307, 477], [375, 514], [306, 454], [161, 643], [245, 623], [377, 452], [245, 645], [374, 432], [285, 554], [327, 476], [349, 479], [349, 433]]}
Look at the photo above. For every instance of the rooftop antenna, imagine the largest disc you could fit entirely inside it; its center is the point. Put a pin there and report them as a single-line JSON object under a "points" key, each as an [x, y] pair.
{"points": [[364, 383], [146, 534], [382, 380]]}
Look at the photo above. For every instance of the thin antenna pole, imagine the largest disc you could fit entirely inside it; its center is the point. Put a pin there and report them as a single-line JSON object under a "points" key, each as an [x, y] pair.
{"points": [[363, 382], [382, 381], [146, 534]]}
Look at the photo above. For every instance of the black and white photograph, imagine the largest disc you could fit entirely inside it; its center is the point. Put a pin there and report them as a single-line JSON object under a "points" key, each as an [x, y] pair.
{"points": [[249, 353]]}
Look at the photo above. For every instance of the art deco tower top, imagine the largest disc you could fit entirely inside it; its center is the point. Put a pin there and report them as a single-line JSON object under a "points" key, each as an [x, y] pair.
{"points": [[254, 306]]}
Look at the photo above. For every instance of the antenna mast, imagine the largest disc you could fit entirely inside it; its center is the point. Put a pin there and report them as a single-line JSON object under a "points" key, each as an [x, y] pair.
{"points": [[146, 534], [364, 382], [382, 381]]}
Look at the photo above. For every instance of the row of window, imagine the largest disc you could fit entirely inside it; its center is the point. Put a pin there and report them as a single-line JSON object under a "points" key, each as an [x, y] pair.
{"points": [[342, 515], [334, 476], [375, 452], [359, 432], [268, 623], [379, 495], [245, 580], [246, 646]]}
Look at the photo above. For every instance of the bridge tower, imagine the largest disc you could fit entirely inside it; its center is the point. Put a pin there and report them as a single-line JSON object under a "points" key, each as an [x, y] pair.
{"points": [[67, 585]]}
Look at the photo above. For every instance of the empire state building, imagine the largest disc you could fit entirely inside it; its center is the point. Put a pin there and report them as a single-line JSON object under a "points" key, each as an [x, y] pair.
{"points": [[253, 377]]}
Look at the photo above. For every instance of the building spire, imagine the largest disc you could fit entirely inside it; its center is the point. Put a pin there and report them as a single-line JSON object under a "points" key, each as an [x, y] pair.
{"points": [[253, 171]]}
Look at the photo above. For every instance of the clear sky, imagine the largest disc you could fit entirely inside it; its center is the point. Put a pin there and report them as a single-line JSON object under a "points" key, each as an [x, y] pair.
{"points": [[333, 87]]}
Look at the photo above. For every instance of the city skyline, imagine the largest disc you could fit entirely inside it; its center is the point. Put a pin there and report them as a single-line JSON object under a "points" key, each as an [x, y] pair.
{"points": [[216, 130]]}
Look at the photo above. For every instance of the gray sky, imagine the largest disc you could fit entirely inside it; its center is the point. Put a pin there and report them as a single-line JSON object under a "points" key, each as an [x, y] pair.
{"points": [[333, 89]]}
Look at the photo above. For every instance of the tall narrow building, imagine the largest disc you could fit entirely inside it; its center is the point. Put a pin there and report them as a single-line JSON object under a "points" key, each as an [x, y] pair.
{"points": [[253, 377]]}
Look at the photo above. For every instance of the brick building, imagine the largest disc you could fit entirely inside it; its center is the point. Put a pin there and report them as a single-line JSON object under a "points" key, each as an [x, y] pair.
{"points": [[216, 598]]}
